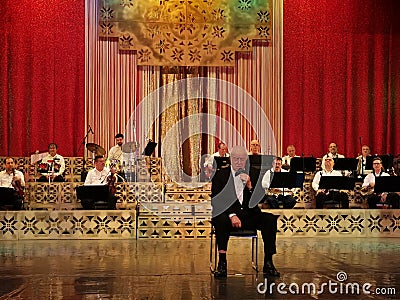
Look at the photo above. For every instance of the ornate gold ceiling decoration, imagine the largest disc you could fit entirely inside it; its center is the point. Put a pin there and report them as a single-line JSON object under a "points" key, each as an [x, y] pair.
{"points": [[186, 32]]}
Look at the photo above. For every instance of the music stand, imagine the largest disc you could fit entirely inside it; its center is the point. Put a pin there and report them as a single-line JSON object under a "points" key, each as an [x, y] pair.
{"points": [[387, 184], [259, 164], [7, 197], [336, 183], [286, 180], [348, 164], [261, 161], [149, 149], [387, 161], [221, 162], [303, 164], [98, 193]]}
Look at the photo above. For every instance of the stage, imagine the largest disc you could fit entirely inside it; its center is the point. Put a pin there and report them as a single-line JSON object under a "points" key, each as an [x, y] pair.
{"points": [[188, 221], [179, 269]]}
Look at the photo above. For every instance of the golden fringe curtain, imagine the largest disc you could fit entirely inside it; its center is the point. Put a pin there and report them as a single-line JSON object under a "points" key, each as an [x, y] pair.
{"points": [[115, 85]]}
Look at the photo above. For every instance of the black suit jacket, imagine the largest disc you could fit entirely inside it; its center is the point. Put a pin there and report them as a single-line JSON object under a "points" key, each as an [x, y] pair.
{"points": [[224, 198]]}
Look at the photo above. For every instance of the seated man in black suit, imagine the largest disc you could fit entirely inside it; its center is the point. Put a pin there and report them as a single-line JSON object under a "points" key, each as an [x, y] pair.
{"points": [[231, 193]]}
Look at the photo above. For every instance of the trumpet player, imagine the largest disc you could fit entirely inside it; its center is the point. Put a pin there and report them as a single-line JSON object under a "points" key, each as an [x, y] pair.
{"points": [[277, 196], [368, 185], [325, 195]]}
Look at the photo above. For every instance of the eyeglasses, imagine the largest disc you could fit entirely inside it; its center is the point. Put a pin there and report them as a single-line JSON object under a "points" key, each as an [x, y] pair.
{"points": [[239, 159]]}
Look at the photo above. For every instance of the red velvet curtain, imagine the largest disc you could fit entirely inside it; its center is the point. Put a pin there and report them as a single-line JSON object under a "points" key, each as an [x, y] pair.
{"points": [[341, 82], [42, 61], [341, 75]]}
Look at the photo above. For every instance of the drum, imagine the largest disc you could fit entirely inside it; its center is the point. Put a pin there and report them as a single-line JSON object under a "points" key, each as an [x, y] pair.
{"points": [[43, 168]]}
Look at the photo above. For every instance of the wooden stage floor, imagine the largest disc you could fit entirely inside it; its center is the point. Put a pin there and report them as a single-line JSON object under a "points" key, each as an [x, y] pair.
{"points": [[179, 269]]}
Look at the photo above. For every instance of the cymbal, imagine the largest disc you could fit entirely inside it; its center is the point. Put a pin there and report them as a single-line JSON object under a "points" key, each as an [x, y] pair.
{"points": [[129, 147], [96, 149]]}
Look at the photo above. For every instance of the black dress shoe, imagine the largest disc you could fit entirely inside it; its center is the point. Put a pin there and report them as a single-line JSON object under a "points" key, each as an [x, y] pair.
{"points": [[270, 270], [221, 271]]}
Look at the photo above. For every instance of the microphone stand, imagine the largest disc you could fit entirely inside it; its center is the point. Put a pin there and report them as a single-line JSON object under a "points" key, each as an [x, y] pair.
{"points": [[84, 156]]}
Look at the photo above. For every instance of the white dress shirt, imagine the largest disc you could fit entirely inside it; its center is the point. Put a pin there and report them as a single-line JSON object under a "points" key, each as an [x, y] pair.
{"points": [[370, 178], [6, 178], [239, 186], [286, 159], [337, 155], [96, 177], [51, 161], [318, 175]]}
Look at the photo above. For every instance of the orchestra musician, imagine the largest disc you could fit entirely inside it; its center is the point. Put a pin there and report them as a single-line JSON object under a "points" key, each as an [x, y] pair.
{"points": [[52, 166], [327, 195], [11, 178], [367, 189], [291, 152], [275, 196], [255, 148], [209, 162], [362, 160], [332, 153], [101, 175], [115, 156]]}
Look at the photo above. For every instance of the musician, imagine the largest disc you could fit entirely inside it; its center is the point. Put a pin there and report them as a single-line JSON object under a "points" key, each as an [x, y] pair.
{"points": [[11, 178], [52, 166], [255, 148], [101, 175], [332, 152], [362, 160], [276, 196], [222, 152], [115, 153], [391, 199], [291, 152], [327, 195]]}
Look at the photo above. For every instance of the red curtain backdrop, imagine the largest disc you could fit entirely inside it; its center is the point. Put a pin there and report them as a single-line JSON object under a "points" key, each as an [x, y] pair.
{"points": [[341, 82], [42, 80], [341, 75]]}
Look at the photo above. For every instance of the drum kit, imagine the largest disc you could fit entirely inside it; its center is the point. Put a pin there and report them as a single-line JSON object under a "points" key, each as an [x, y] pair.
{"points": [[128, 168], [95, 149]]}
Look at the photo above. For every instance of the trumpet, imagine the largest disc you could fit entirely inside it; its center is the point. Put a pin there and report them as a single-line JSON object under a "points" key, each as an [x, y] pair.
{"points": [[367, 190]]}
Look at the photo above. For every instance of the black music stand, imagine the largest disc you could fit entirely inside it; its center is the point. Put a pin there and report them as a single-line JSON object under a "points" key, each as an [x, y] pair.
{"points": [[286, 180], [259, 164], [345, 164], [9, 199], [387, 161], [221, 162], [149, 149], [303, 164], [336, 183], [262, 162], [99, 195], [387, 184]]}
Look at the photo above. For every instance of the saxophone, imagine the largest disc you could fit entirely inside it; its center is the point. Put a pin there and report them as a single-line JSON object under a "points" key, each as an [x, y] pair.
{"points": [[366, 190]]}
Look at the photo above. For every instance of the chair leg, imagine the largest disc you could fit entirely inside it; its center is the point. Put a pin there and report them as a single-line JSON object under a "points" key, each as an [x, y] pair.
{"points": [[213, 262], [254, 253]]}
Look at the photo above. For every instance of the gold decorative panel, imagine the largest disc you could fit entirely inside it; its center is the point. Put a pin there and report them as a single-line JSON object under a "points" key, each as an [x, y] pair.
{"points": [[186, 32]]}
